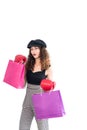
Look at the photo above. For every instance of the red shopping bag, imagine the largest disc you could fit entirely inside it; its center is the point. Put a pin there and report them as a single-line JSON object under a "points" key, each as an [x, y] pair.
{"points": [[48, 105], [14, 74]]}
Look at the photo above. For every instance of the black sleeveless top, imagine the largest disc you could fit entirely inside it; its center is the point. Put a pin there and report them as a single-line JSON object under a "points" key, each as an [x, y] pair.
{"points": [[35, 77]]}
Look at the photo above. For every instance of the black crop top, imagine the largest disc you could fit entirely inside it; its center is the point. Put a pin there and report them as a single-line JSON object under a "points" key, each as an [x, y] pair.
{"points": [[35, 77]]}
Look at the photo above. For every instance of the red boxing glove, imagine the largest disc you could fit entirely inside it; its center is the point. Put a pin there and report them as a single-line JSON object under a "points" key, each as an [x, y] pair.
{"points": [[20, 59], [47, 84]]}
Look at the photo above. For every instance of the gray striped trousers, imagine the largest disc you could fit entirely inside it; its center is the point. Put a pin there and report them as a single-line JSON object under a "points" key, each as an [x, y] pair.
{"points": [[27, 113]]}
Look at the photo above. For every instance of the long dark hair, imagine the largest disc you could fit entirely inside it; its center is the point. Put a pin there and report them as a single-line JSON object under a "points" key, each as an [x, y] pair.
{"points": [[44, 59]]}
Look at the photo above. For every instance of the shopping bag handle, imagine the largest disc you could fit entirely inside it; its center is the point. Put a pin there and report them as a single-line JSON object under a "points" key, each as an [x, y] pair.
{"points": [[46, 91]]}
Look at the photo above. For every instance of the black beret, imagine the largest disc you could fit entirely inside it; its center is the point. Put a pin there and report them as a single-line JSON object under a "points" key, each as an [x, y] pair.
{"points": [[37, 42]]}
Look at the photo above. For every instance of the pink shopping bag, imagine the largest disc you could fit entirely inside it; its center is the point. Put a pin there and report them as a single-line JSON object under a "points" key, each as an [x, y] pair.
{"points": [[14, 74], [48, 105]]}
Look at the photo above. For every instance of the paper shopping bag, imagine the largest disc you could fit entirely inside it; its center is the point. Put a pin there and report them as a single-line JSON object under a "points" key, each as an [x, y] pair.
{"points": [[48, 105], [14, 74]]}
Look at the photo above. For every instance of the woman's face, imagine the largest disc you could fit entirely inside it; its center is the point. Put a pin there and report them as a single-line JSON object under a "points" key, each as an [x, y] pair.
{"points": [[35, 51]]}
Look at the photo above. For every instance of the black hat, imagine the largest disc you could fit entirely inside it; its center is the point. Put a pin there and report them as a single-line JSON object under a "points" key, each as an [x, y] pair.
{"points": [[36, 42]]}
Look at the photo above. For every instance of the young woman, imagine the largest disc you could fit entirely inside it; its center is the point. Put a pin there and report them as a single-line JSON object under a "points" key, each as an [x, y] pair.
{"points": [[38, 67]]}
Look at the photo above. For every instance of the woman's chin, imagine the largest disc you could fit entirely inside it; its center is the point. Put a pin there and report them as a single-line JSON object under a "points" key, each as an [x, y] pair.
{"points": [[36, 57]]}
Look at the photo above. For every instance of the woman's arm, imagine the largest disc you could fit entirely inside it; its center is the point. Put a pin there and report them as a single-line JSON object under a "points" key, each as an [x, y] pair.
{"points": [[49, 73]]}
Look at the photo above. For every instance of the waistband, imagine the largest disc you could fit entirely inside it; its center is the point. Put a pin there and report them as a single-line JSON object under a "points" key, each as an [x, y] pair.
{"points": [[32, 86]]}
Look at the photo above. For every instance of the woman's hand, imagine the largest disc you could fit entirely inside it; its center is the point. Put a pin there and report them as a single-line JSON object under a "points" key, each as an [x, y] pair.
{"points": [[47, 84]]}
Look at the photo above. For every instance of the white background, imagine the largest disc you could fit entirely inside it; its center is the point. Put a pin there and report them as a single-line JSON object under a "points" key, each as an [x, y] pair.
{"points": [[63, 26]]}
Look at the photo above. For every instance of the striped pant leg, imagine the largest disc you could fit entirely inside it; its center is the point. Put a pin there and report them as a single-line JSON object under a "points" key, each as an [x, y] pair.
{"points": [[26, 119], [42, 124]]}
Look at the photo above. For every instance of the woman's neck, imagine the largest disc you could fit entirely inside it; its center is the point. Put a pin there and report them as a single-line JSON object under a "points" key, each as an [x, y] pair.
{"points": [[37, 61], [37, 66]]}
